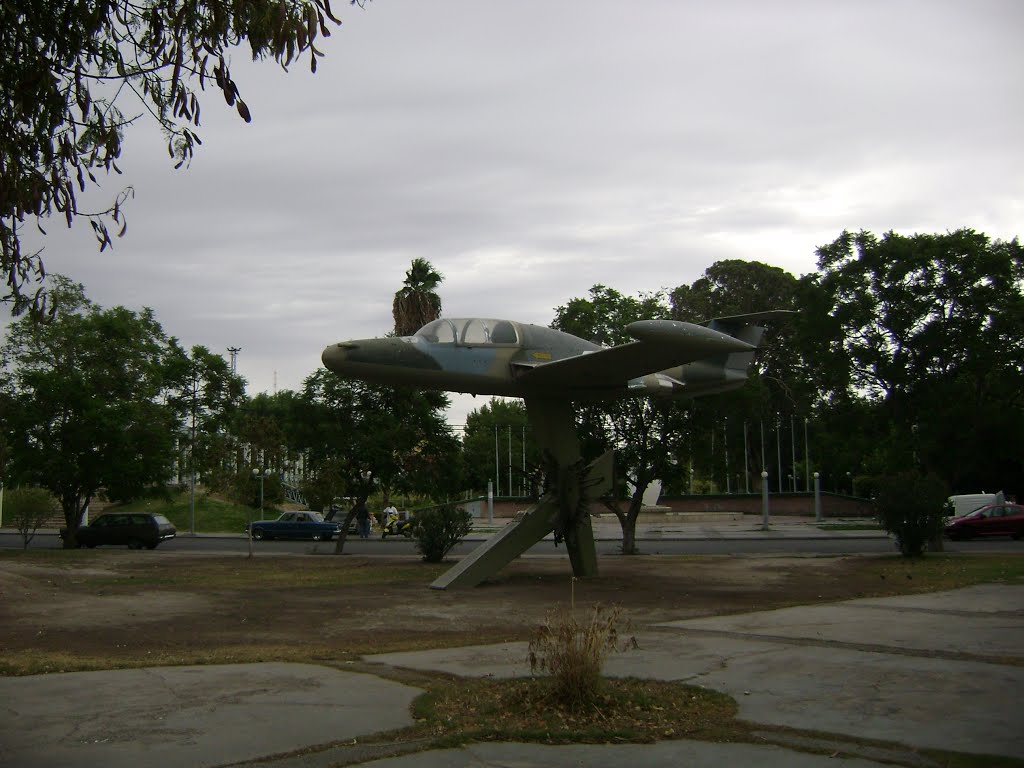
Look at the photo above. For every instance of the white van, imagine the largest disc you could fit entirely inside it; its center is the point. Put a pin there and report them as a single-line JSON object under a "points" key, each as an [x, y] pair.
{"points": [[968, 502]]}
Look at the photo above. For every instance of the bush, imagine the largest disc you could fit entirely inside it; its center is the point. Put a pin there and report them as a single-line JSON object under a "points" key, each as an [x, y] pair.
{"points": [[29, 508], [574, 652], [911, 507], [439, 529]]}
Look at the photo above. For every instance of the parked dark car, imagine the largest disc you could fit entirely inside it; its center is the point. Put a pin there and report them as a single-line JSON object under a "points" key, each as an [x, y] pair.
{"points": [[338, 514], [133, 529], [990, 520], [295, 525]]}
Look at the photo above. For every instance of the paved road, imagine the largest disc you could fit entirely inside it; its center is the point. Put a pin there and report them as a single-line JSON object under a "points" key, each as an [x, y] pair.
{"points": [[715, 543]]}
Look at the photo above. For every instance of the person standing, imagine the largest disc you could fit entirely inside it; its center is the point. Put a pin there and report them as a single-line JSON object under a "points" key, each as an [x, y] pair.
{"points": [[363, 521]]}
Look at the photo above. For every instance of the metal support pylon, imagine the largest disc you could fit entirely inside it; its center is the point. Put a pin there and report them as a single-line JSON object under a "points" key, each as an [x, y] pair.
{"points": [[564, 507]]}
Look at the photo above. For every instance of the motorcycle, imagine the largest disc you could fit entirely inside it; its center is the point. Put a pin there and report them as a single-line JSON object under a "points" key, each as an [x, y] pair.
{"points": [[397, 527]]}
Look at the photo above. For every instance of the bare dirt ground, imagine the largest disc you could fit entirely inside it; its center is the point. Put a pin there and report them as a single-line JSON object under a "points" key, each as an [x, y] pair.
{"points": [[178, 608]]}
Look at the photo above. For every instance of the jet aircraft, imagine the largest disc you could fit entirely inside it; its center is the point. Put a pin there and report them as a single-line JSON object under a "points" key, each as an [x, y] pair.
{"points": [[485, 356], [549, 369]]}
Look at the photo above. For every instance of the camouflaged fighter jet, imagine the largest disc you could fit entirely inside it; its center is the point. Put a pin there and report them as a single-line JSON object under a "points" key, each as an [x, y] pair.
{"points": [[549, 369], [485, 356]]}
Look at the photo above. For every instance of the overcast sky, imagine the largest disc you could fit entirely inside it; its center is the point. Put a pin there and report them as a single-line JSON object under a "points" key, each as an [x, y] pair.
{"points": [[532, 149]]}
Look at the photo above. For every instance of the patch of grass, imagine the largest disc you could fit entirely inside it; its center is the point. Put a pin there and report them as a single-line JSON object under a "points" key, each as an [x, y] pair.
{"points": [[850, 527], [457, 711], [940, 571], [34, 661], [625, 710], [20, 663], [50, 558], [213, 515], [267, 572]]}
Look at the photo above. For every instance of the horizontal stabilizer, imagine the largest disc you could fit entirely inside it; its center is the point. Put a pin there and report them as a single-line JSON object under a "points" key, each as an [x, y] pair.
{"points": [[734, 323]]}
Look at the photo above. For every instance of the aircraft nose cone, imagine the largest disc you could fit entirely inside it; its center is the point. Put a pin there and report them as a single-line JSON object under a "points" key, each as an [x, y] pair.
{"points": [[335, 355]]}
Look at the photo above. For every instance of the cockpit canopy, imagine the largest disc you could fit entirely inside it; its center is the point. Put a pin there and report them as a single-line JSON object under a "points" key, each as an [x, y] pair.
{"points": [[474, 330]]}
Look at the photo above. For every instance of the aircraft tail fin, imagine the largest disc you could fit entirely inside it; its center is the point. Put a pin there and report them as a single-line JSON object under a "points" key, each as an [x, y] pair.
{"points": [[749, 328]]}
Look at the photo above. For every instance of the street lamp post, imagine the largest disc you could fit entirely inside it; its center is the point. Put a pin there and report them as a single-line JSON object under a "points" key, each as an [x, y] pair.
{"points": [[764, 500], [260, 474], [725, 448], [778, 447], [807, 456], [792, 452], [817, 498], [746, 462]]}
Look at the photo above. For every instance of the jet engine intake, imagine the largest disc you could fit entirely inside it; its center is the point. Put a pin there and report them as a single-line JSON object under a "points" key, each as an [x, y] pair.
{"points": [[656, 384]]}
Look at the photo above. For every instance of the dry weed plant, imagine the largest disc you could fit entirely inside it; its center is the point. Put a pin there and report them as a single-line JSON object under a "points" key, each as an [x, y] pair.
{"points": [[573, 651]]}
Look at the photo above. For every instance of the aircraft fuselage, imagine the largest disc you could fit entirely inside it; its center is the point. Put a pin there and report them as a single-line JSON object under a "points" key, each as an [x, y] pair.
{"points": [[498, 357]]}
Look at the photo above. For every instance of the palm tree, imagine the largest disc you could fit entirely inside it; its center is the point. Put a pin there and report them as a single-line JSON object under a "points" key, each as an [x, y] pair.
{"points": [[415, 303]]}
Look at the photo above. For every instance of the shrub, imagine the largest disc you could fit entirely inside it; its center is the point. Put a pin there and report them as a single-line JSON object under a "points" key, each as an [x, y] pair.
{"points": [[439, 529], [29, 508], [574, 652], [911, 507]]}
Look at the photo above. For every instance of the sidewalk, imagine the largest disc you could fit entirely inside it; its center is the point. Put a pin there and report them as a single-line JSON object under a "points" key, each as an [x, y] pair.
{"points": [[708, 526]]}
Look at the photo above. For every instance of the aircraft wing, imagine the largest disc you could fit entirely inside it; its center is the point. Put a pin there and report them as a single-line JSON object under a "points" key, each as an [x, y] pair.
{"points": [[660, 344]]}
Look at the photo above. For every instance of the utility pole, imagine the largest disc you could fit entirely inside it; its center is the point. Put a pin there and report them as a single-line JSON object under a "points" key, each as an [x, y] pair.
{"points": [[233, 351]]}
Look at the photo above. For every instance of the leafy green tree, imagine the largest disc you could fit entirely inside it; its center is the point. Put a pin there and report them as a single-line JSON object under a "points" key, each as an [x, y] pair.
{"points": [[604, 315], [776, 393], [416, 303], [650, 438], [493, 440], [929, 329], [259, 441], [648, 435], [209, 393], [733, 287], [90, 394], [376, 438], [737, 287], [68, 69], [326, 483]]}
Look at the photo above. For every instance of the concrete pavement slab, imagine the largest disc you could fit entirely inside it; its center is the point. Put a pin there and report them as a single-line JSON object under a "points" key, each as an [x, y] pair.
{"points": [[664, 754], [876, 626], [981, 598], [189, 716], [921, 702], [809, 677]]}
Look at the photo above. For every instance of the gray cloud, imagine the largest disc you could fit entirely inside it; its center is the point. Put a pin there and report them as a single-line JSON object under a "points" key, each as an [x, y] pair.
{"points": [[533, 149]]}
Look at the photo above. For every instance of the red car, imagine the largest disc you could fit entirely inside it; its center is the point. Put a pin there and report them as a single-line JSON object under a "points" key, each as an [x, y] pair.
{"points": [[990, 520]]}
